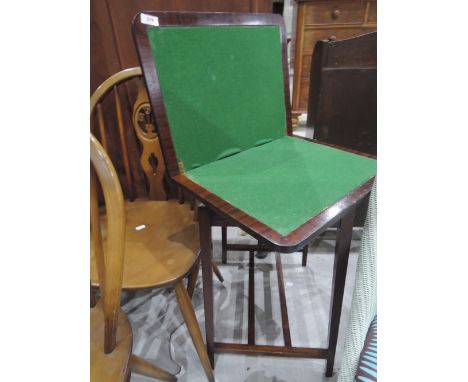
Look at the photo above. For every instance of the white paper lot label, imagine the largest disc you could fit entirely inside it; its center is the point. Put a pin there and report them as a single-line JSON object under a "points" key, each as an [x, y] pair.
{"points": [[149, 20]]}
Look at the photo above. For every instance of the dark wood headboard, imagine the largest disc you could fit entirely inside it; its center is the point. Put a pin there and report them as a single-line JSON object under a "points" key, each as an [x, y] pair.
{"points": [[342, 106]]}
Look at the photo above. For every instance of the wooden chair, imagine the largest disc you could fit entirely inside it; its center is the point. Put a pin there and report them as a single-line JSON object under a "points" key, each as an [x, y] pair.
{"points": [[108, 108], [162, 243], [111, 333]]}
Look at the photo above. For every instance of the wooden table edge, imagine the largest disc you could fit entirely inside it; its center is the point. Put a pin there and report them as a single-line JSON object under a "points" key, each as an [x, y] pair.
{"points": [[292, 242]]}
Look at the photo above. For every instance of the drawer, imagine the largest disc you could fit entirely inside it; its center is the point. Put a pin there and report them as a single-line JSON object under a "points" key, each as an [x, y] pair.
{"points": [[336, 12], [311, 37], [372, 16]]}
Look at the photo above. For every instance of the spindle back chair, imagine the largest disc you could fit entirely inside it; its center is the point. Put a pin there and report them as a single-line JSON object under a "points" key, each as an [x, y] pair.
{"points": [[161, 236], [109, 103], [129, 83], [111, 333]]}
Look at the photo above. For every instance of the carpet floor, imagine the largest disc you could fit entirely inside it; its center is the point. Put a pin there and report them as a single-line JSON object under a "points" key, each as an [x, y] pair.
{"points": [[161, 337]]}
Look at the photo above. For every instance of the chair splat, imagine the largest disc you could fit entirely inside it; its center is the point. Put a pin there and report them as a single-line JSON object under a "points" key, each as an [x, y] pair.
{"points": [[151, 159]]}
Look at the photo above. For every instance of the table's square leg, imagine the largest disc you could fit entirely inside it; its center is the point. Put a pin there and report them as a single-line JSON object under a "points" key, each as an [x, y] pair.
{"points": [[204, 220], [342, 248], [340, 266]]}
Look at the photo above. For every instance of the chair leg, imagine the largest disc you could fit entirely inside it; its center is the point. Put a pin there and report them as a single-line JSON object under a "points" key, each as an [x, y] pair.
{"points": [[193, 203], [129, 375], [305, 250], [195, 211], [217, 272], [181, 195], [140, 366], [193, 278], [223, 244], [192, 324]]}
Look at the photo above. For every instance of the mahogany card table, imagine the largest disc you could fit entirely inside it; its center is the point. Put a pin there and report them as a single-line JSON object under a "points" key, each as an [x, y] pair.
{"points": [[218, 84]]}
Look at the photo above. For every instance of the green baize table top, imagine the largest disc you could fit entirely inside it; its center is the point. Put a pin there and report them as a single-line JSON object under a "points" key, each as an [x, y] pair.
{"points": [[223, 91], [286, 182]]}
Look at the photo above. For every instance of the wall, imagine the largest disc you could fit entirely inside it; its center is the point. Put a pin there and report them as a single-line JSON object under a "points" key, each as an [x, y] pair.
{"points": [[112, 47]]}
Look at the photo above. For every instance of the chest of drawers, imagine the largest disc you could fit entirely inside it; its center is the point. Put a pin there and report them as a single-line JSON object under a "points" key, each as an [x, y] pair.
{"points": [[322, 20]]}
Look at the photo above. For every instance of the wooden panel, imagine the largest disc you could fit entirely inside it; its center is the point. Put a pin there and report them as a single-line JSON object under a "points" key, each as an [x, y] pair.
{"points": [[123, 11], [357, 52], [311, 37], [304, 92], [111, 38], [306, 60], [335, 12], [104, 58], [372, 16], [347, 109]]}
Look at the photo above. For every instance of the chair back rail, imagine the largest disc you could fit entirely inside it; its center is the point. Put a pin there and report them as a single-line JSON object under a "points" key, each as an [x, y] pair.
{"points": [[151, 160], [110, 257], [96, 234]]}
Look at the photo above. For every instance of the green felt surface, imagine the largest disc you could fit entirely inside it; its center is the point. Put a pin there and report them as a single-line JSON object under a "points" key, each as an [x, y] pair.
{"points": [[222, 87], [285, 182]]}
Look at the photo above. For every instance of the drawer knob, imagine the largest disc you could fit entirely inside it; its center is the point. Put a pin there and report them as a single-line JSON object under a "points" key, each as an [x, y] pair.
{"points": [[332, 38], [336, 13]]}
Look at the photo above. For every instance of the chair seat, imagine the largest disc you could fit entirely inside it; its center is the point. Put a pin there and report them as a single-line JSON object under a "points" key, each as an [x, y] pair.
{"points": [[114, 366], [161, 244]]}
